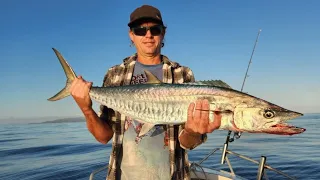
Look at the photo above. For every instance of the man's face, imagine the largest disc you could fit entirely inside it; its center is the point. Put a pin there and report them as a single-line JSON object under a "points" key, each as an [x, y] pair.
{"points": [[147, 41]]}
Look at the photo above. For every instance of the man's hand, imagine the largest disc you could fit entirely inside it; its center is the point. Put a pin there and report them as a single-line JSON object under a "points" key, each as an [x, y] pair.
{"points": [[79, 90], [198, 118]]}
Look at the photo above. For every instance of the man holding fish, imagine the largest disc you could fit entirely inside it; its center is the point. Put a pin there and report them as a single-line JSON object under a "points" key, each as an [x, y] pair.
{"points": [[163, 148], [154, 113]]}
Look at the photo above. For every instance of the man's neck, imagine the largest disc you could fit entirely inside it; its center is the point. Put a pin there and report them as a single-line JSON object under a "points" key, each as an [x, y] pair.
{"points": [[149, 60]]}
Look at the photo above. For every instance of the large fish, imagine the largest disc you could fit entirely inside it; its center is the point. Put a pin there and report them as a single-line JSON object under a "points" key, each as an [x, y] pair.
{"points": [[157, 103]]}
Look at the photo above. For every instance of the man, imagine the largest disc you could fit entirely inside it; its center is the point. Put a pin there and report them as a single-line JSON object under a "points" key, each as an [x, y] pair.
{"points": [[159, 153]]}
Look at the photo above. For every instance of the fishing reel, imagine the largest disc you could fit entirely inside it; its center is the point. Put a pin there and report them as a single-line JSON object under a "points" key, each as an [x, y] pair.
{"points": [[236, 135]]}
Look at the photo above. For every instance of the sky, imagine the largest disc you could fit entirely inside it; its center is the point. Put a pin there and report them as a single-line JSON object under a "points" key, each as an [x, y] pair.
{"points": [[214, 38]]}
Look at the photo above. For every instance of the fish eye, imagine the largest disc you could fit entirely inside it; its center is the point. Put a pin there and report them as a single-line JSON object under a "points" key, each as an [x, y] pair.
{"points": [[268, 114]]}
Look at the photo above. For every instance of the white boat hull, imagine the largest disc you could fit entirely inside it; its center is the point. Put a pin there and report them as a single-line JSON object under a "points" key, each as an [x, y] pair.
{"points": [[210, 174]]}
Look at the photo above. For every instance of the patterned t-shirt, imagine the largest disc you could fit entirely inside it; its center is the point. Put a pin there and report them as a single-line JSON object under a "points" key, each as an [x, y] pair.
{"points": [[146, 156]]}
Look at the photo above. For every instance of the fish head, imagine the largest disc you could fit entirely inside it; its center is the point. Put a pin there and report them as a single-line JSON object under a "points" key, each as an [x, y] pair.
{"points": [[265, 118]]}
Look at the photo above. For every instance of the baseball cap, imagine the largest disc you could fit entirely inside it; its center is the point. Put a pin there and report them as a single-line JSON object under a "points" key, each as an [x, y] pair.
{"points": [[145, 12]]}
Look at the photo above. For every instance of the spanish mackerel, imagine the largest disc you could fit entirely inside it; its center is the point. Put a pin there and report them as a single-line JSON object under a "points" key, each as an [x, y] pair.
{"points": [[158, 103]]}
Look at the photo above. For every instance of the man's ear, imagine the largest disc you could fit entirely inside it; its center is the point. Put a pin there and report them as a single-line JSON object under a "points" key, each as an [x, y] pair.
{"points": [[131, 34], [164, 30], [163, 35]]}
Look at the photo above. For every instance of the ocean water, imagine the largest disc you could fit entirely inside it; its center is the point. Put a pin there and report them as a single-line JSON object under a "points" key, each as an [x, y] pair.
{"points": [[68, 151]]}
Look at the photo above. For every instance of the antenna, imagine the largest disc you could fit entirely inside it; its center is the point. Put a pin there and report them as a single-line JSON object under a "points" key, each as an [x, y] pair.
{"points": [[238, 134]]}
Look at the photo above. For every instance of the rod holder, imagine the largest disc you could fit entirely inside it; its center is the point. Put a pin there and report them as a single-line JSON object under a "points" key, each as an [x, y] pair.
{"points": [[224, 152], [263, 160]]}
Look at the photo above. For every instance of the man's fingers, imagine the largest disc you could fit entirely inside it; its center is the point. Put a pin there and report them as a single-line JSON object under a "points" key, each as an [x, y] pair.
{"points": [[197, 114], [89, 84], [75, 82], [87, 87], [78, 90], [82, 79], [74, 86], [190, 111], [79, 86], [216, 122], [205, 112]]}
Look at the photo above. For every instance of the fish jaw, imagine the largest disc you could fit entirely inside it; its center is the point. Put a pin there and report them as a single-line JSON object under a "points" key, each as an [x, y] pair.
{"points": [[284, 129]]}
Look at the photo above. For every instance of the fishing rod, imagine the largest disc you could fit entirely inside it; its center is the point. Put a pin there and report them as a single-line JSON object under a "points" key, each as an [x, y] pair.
{"points": [[238, 134]]}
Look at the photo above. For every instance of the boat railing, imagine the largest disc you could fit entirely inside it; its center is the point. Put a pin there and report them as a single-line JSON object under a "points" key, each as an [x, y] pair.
{"points": [[101, 173], [261, 171]]}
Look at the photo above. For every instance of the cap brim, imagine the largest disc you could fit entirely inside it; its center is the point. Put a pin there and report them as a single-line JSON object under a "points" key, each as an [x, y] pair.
{"points": [[144, 20]]}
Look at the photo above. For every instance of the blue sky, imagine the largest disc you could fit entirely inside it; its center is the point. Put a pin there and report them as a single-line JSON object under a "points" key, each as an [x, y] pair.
{"points": [[214, 38]]}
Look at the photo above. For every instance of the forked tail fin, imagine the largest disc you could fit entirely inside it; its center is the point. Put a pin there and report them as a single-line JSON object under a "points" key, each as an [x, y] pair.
{"points": [[70, 77]]}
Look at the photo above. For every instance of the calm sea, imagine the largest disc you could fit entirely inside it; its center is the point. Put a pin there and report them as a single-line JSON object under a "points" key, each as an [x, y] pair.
{"points": [[68, 151]]}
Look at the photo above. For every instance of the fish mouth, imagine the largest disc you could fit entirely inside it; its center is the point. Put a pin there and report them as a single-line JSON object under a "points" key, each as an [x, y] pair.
{"points": [[284, 129]]}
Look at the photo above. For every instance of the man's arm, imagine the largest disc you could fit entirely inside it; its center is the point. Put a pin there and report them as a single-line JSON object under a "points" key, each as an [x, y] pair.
{"points": [[190, 140], [97, 126]]}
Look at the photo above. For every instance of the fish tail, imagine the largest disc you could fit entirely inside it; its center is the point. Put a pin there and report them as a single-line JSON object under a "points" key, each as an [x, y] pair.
{"points": [[70, 77]]}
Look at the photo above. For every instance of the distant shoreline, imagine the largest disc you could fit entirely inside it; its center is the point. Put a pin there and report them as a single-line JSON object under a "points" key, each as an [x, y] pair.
{"points": [[63, 120]]}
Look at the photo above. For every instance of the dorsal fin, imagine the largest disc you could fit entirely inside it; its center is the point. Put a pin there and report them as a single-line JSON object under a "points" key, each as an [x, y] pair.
{"points": [[216, 82], [196, 83], [152, 79]]}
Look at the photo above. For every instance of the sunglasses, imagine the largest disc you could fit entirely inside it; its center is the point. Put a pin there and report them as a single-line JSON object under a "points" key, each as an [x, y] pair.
{"points": [[142, 31]]}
